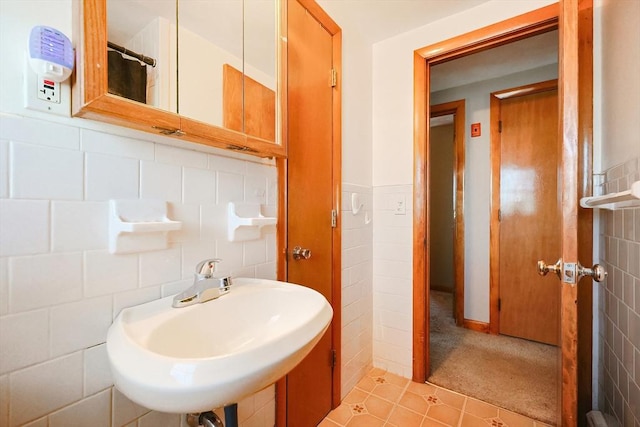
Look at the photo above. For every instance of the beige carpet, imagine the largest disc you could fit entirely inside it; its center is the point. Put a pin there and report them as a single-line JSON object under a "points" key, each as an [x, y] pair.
{"points": [[512, 373]]}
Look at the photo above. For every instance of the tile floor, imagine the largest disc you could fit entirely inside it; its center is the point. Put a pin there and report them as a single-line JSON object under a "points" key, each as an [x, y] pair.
{"points": [[384, 399]]}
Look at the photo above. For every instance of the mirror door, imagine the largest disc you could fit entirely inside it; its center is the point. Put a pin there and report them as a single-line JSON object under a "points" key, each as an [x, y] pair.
{"points": [[210, 37], [215, 62], [141, 52], [260, 68]]}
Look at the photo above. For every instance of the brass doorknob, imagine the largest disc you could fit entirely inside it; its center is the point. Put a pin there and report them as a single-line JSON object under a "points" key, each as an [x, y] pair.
{"points": [[597, 272], [301, 253], [544, 268]]}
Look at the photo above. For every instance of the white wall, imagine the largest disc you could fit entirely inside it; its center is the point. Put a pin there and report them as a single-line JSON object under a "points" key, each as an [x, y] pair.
{"points": [[393, 152], [392, 279], [357, 234], [356, 110], [617, 69], [357, 295], [478, 180], [617, 156], [59, 286], [393, 84], [356, 99]]}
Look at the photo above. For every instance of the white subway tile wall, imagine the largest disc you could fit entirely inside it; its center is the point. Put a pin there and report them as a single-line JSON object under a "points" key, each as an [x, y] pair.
{"points": [[619, 305], [392, 284], [160, 181], [24, 226], [4, 172], [60, 288], [39, 172], [77, 226], [111, 177], [45, 387], [357, 295], [198, 186]]}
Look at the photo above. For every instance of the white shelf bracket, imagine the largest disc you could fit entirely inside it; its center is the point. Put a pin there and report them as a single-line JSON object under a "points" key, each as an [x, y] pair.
{"points": [[613, 201], [139, 226], [245, 221]]}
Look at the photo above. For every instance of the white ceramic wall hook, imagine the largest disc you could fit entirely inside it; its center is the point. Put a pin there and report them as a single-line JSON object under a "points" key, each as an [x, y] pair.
{"points": [[356, 205]]}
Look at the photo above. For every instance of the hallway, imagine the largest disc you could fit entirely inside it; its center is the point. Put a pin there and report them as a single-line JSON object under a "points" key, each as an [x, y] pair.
{"points": [[513, 373]]}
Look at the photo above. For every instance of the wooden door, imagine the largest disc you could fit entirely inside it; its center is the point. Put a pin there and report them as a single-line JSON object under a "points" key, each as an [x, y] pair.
{"points": [[312, 192], [529, 220]]}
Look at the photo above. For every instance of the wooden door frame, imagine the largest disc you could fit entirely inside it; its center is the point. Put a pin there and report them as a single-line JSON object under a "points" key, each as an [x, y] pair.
{"points": [[494, 223], [571, 17], [575, 91], [336, 253], [457, 108], [519, 27]]}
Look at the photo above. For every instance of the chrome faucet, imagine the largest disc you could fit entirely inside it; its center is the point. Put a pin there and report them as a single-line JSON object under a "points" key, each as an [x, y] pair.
{"points": [[205, 287]]}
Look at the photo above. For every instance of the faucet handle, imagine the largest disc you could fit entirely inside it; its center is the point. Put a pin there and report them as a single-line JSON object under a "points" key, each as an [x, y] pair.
{"points": [[207, 267]]}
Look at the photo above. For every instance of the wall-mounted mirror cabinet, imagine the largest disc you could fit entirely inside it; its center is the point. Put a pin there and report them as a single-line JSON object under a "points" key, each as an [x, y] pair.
{"points": [[206, 71]]}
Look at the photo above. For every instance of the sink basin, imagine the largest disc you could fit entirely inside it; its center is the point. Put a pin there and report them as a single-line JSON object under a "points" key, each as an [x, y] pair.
{"points": [[205, 356]]}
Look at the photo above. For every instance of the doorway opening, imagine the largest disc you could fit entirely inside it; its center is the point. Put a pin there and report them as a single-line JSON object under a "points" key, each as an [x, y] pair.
{"points": [[446, 189], [496, 369], [575, 66], [476, 301]]}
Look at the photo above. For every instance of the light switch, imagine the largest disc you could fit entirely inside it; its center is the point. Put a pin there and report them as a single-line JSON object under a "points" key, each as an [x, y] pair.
{"points": [[399, 204]]}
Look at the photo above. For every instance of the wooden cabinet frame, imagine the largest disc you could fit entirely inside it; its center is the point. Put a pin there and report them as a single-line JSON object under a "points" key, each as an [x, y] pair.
{"points": [[91, 99]]}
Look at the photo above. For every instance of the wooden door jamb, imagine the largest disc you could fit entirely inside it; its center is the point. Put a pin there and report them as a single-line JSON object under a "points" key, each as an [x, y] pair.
{"points": [[457, 108]]}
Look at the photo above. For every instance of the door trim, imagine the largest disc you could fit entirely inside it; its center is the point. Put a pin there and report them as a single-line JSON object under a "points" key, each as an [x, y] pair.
{"points": [[281, 234], [522, 26], [568, 153], [494, 223], [585, 216], [576, 65], [575, 129], [457, 108]]}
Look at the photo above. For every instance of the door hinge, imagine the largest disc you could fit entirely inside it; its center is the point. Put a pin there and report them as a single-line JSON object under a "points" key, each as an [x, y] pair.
{"points": [[499, 126], [334, 358], [499, 215], [499, 304], [333, 79], [334, 218]]}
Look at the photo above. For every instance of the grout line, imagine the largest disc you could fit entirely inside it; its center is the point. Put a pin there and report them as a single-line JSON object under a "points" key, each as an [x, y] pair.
{"points": [[463, 410]]}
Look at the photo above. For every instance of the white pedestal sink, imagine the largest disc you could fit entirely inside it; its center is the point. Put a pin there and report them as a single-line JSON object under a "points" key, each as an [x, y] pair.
{"points": [[201, 357]]}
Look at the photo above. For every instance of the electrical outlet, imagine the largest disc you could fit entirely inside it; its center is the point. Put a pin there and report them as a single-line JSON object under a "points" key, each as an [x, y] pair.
{"points": [[41, 94], [48, 90]]}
